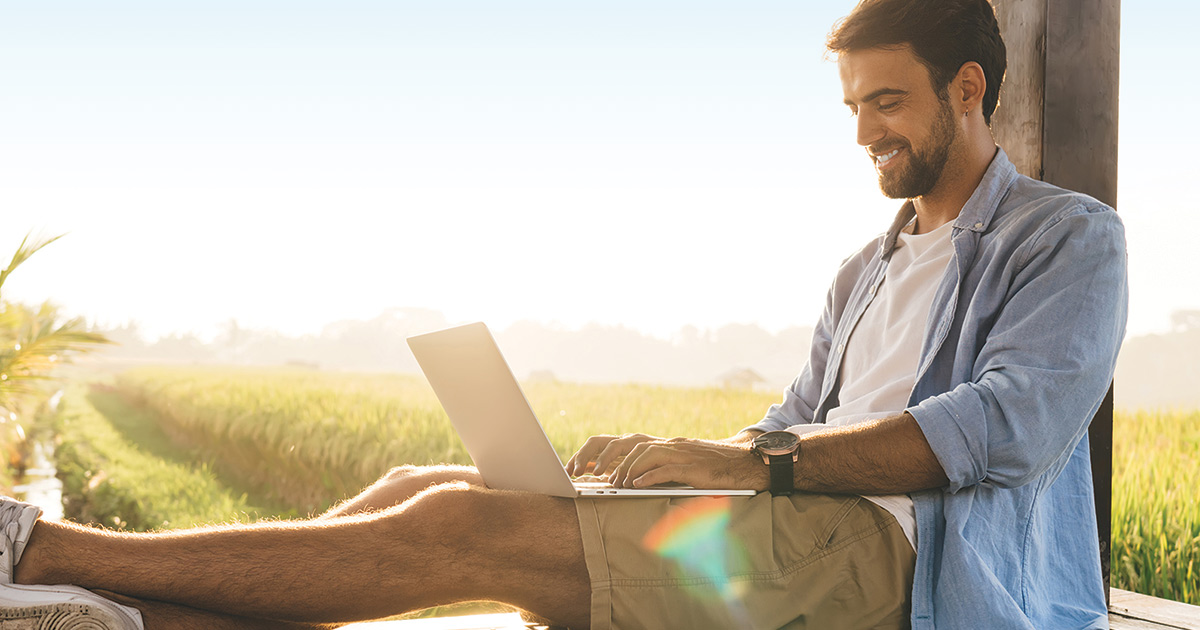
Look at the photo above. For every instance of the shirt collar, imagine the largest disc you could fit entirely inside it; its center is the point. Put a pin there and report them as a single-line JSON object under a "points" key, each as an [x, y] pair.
{"points": [[977, 213]]}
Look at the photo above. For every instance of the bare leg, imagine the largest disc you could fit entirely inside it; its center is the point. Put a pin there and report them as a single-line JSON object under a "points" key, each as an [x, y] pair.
{"points": [[401, 484], [395, 487], [454, 542]]}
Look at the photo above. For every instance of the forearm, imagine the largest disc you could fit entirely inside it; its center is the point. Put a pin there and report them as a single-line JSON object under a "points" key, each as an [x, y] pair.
{"points": [[744, 437], [879, 457], [888, 456]]}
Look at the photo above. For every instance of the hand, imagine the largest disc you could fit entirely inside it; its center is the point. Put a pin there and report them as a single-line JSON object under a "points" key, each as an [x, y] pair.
{"points": [[602, 452], [697, 463]]}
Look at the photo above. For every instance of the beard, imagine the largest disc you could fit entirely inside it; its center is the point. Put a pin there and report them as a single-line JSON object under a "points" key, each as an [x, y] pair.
{"points": [[924, 168]]}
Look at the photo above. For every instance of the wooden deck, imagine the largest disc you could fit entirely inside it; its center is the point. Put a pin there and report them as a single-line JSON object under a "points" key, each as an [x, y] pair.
{"points": [[1133, 611], [1128, 611]]}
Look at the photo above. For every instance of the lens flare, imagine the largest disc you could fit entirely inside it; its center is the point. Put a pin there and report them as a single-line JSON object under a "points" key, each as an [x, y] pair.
{"points": [[695, 535]]}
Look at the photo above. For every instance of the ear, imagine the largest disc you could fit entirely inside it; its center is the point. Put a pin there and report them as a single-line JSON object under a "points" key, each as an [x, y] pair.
{"points": [[971, 85]]}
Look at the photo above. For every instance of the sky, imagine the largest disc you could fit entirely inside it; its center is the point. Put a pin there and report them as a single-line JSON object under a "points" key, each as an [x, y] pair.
{"points": [[651, 164]]}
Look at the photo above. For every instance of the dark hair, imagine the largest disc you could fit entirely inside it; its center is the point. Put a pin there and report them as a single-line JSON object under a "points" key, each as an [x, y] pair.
{"points": [[944, 34]]}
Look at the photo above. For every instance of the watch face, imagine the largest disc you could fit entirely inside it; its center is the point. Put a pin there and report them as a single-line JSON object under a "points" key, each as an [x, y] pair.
{"points": [[776, 442]]}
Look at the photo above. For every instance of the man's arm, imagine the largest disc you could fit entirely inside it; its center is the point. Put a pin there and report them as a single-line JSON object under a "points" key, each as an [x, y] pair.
{"points": [[886, 456], [1046, 360]]}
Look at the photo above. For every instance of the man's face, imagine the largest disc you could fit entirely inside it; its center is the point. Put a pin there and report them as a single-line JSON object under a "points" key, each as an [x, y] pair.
{"points": [[908, 131]]}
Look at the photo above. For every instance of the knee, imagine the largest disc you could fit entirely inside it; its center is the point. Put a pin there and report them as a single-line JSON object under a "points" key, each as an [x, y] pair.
{"points": [[466, 511], [448, 497], [402, 482], [443, 508], [426, 476], [400, 473]]}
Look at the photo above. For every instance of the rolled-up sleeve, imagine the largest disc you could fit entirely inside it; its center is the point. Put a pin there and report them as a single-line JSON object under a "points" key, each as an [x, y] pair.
{"points": [[1046, 358]]}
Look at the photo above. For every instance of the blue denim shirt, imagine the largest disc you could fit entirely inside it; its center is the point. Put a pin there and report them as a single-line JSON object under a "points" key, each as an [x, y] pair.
{"points": [[1019, 350]]}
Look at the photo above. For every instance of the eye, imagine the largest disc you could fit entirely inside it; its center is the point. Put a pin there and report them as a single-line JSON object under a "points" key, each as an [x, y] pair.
{"points": [[888, 106]]}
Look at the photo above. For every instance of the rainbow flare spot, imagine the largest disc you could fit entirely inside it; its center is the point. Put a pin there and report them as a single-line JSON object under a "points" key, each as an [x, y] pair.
{"points": [[695, 534]]}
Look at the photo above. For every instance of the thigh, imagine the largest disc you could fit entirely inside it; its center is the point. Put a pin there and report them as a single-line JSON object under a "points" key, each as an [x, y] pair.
{"points": [[475, 543], [806, 561]]}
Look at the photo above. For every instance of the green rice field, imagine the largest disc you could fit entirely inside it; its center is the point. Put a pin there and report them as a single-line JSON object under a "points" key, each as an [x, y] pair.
{"points": [[292, 442], [1156, 504]]}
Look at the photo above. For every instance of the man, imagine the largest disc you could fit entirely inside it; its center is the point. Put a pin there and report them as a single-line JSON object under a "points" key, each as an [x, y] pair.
{"points": [[937, 433]]}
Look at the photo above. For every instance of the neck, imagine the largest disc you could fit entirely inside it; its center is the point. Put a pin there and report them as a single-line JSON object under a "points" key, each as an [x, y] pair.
{"points": [[964, 170]]}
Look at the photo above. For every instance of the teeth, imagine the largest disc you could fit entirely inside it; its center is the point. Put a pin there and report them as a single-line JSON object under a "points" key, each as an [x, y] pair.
{"points": [[883, 159]]}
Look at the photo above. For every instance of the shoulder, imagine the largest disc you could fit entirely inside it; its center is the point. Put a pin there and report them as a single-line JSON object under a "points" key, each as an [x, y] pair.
{"points": [[1035, 206], [1035, 216]]}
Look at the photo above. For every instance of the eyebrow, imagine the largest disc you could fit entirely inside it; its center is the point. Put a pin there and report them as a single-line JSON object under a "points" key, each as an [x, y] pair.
{"points": [[878, 93]]}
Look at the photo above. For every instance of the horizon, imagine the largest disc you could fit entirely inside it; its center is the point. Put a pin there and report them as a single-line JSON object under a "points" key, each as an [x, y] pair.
{"points": [[648, 166], [1152, 372]]}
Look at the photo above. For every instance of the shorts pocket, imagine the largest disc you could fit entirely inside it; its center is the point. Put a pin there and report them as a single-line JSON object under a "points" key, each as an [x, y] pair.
{"points": [[829, 534]]}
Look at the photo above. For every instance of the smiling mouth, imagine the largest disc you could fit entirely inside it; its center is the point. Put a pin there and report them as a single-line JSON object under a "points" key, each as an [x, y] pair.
{"points": [[882, 160]]}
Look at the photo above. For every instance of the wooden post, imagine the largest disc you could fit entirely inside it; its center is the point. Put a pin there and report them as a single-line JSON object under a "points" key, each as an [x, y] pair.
{"points": [[1083, 58], [1017, 123], [1058, 122]]}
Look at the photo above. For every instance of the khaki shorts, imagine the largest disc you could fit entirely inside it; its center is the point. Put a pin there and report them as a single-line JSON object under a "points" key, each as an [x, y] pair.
{"points": [[806, 561]]}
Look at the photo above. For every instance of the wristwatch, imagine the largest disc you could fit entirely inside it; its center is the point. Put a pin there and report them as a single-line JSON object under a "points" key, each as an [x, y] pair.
{"points": [[780, 451]]}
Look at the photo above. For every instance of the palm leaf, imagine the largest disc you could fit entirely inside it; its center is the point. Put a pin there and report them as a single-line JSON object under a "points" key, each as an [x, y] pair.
{"points": [[23, 253], [32, 344]]}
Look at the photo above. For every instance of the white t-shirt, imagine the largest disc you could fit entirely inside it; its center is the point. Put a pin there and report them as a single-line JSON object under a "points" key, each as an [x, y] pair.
{"points": [[879, 368]]}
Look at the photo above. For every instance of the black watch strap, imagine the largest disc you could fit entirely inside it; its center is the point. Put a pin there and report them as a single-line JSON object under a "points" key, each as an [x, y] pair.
{"points": [[783, 483]]}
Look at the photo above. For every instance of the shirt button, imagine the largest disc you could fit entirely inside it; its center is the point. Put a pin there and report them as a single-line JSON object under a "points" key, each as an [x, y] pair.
{"points": [[871, 290], [841, 348], [978, 225]]}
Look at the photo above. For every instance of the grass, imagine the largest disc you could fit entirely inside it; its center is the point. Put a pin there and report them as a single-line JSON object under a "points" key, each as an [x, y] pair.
{"points": [[1156, 504], [121, 471]]}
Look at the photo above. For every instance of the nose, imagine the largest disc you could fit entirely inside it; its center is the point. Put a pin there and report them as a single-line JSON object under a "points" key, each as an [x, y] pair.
{"points": [[869, 129]]}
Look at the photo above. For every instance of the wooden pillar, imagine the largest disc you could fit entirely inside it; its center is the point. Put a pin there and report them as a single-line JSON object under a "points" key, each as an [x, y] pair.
{"points": [[1017, 123], [1058, 107], [1058, 122]]}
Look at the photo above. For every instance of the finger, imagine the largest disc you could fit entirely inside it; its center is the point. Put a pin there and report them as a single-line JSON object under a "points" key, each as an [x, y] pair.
{"points": [[578, 464], [666, 474], [609, 456], [593, 451], [657, 456], [640, 459], [570, 465], [618, 449], [617, 474]]}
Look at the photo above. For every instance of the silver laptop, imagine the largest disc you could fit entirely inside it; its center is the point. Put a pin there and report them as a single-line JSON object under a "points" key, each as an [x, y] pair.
{"points": [[497, 425]]}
